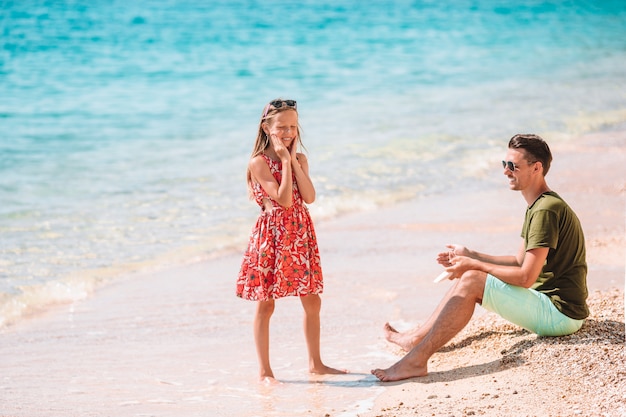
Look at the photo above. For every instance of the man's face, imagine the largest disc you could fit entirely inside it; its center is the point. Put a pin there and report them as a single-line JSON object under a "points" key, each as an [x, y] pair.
{"points": [[518, 170]]}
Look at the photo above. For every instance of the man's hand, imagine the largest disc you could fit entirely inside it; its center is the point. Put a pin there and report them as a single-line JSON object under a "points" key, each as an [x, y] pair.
{"points": [[460, 264], [445, 258]]}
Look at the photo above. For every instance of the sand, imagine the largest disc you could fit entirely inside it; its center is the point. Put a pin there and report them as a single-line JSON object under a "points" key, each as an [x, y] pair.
{"points": [[494, 368], [177, 342]]}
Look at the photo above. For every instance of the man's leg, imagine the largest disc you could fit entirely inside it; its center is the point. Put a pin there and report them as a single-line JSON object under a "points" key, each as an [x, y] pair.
{"points": [[454, 313], [527, 308], [407, 340]]}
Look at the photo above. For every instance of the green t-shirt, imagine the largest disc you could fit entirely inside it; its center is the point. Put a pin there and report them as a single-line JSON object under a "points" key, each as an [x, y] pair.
{"points": [[551, 223]]}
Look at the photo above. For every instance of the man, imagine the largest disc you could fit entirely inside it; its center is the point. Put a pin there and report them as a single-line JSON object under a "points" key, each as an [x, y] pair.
{"points": [[543, 288]]}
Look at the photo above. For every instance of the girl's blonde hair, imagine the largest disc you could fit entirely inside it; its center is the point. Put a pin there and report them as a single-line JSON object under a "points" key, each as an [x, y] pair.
{"points": [[262, 139]]}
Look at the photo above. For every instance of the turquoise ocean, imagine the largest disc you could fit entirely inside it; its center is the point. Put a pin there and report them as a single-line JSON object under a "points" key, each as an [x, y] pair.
{"points": [[126, 127]]}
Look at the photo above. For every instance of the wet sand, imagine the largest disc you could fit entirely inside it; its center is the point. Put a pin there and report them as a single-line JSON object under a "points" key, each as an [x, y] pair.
{"points": [[178, 342]]}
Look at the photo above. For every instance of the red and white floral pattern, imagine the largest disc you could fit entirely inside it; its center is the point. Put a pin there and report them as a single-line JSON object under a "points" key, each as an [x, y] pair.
{"points": [[282, 258]]}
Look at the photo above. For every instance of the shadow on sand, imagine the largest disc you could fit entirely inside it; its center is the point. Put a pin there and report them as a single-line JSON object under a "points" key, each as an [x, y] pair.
{"points": [[593, 332]]}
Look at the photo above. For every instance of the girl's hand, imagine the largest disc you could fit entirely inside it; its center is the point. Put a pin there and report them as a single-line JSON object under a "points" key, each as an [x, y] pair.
{"points": [[293, 152], [281, 150]]}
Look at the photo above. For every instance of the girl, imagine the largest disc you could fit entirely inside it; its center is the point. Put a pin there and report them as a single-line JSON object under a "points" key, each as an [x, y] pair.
{"points": [[282, 258]]}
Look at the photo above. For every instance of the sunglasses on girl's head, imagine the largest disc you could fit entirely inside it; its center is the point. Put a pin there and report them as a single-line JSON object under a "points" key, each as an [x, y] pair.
{"points": [[277, 104]]}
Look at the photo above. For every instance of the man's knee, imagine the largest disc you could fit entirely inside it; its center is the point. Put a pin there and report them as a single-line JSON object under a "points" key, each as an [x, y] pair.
{"points": [[472, 284]]}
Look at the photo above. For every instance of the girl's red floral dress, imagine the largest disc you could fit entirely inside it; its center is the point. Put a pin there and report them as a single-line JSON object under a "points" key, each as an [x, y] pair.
{"points": [[282, 257]]}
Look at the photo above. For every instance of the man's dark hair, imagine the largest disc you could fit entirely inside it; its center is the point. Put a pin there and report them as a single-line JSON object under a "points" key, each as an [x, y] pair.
{"points": [[535, 147]]}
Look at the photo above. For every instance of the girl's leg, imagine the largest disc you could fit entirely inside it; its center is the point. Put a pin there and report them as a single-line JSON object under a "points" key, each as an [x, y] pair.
{"points": [[312, 305], [262, 317]]}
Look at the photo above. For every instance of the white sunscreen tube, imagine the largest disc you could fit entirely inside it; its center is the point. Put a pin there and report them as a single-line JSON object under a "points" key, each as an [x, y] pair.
{"points": [[442, 276]]}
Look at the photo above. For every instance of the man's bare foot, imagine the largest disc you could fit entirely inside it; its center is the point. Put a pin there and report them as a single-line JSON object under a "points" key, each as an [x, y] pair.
{"points": [[326, 370], [403, 369], [400, 339]]}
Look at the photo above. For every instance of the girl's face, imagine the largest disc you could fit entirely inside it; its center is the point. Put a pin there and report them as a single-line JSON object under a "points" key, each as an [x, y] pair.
{"points": [[284, 126]]}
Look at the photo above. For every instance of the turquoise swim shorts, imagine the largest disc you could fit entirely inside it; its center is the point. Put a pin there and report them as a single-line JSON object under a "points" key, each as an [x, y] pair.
{"points": [[527, 308]]}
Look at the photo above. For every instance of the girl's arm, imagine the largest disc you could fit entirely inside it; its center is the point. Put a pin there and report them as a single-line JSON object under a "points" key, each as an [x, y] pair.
{"points": [[283, 192], [300, 166]]}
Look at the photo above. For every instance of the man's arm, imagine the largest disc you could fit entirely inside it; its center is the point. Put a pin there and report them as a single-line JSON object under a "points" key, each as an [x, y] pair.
{"points": [[506, 260], [524, 275], [521, 270], [458, 250]]}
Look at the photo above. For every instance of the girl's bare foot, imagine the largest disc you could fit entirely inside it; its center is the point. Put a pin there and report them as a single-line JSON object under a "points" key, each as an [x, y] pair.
{"points": [[400, 339], [266, 376], [269, 380], [326, 370]]}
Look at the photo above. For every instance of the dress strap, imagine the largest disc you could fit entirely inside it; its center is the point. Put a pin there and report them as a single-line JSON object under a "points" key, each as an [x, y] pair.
{"points": [[274, 165]]}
